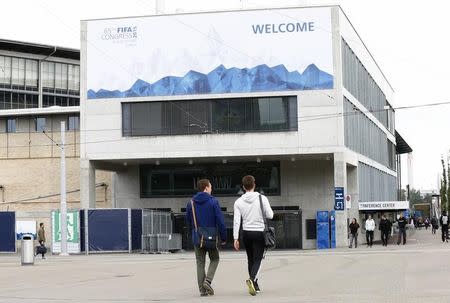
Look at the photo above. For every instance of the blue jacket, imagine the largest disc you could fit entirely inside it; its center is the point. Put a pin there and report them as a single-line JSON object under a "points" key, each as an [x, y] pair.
{"points": [[207, 210]]}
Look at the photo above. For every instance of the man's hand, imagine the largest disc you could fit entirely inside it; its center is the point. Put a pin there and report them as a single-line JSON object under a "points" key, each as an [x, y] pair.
{"points": [[236, 245]]}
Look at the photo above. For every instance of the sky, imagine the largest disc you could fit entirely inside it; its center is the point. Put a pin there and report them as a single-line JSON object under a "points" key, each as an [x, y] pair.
{"points": [[408, 39]]}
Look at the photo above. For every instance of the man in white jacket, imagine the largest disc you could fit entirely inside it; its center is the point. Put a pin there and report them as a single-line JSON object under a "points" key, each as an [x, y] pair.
{"points": [[248, 208], [370, 227]]}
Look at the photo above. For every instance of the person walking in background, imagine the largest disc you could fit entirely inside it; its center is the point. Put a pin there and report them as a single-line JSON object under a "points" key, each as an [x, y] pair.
{"points": [[248, 209], [444, 226], [427, 223], [434, 225], [385, 228], [401, 229], [370, 227], [354, 226], [204, 216], [41, 239]]}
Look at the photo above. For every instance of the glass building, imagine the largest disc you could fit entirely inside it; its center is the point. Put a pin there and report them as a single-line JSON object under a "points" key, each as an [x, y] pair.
{"points": [[36, 76]]}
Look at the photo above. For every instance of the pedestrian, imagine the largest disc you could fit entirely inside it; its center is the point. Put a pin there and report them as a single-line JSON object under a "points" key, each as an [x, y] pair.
{"points": [[204, 216], [248, 209], [434, 225], [401, 229], [444, 225], [41, 239], [370, 227], [427, 223], [385, 228], [354, 226]]}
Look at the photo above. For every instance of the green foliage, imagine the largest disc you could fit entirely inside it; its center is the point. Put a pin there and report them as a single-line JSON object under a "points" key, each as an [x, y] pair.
{"points": [[415, 196]]}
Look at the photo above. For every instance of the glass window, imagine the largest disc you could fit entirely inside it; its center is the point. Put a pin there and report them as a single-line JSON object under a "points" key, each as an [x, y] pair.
{"points": [[73, 123], [5, 71], [159, 183], [126, 119], [48, 101], [74, 101], [5, 100], [225, 178], [11, 125], [32, 101], [74, 79], [31, 74], [41, 124], [48, 73], [206, 116]]}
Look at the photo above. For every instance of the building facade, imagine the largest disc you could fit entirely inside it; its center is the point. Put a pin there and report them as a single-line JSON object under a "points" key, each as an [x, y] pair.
{"points": [[39, 88], [290, 95]]}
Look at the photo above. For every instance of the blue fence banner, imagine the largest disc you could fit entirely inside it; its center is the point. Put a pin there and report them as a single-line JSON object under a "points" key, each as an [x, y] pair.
{"points": [[339, 203], [323, 230], [108, 229], [7, 231]]}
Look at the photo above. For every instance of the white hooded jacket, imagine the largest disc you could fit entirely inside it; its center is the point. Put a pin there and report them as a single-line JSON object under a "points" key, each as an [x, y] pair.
{"points": [[248, 207], [370, 224]]}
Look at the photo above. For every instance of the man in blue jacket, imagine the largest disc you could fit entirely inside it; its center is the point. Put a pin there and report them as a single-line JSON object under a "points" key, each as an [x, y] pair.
{"points": [[207, 216]]}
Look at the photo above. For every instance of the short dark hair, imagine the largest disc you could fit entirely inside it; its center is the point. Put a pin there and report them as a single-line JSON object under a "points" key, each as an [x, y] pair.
{"points": [[202, 184], [41, 224], [248, 182]]}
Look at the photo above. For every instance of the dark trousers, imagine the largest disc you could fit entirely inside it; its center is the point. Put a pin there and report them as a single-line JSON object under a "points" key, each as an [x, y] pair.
{"points": [[385, 237], [200, 257], [42, 244], [401, 233], [369, 237], [444, 233], [254, 247]]}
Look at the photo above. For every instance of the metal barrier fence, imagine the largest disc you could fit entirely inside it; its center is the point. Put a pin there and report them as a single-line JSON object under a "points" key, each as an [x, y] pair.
{"points": [[161, 243]]}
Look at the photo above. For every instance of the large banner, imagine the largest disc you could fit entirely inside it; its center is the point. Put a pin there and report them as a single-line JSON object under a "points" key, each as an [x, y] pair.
{"points": [[73, 232], [210, 53]]}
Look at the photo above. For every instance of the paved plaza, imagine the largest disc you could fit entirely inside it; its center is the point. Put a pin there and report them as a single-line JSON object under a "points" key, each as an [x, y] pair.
{"points": [[417, 272]]}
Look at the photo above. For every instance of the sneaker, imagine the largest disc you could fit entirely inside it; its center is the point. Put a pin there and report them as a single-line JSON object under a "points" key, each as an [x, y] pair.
{"points": [[203, 294], [208, 288], [255, 283], [251, 287]]}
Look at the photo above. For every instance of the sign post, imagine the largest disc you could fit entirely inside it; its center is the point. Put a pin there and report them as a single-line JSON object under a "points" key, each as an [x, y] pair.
{"points": [[339, 198]]}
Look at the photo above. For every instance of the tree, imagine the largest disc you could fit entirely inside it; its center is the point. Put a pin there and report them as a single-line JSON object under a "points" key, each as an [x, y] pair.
{"points": [[414, 196], [444, 186]]}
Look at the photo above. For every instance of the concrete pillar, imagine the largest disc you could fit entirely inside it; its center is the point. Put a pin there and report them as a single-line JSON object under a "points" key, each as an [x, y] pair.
{"points": [[340, 180], [87, 184]]}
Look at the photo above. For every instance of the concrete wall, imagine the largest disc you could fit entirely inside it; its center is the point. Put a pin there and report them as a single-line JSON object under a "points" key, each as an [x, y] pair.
{"points": [[307, 184]]}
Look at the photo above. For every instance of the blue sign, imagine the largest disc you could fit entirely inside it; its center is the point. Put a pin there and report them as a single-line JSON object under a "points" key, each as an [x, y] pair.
{"points": [[339, 203], [323, 230]]}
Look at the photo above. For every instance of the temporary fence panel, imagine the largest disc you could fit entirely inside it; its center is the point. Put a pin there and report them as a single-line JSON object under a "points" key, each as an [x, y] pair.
{"points": [[174, 242], [108, 230], [136, 229], [73, 231], [323, 230], [156, 222], [7, 231]]}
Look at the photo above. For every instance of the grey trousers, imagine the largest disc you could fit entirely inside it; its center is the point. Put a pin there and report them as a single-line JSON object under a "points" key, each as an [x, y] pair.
{"points": [[200, 256], [353, 237]]}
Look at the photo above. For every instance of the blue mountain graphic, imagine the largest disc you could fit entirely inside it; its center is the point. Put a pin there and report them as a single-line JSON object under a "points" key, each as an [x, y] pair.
{"points": [[222, 80]]}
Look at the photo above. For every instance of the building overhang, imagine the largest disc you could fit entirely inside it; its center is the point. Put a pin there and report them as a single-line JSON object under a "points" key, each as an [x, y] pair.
{"points": [[39, 49], [53, 110], [401, 146]]}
